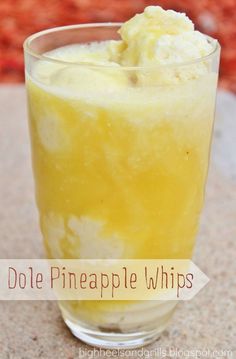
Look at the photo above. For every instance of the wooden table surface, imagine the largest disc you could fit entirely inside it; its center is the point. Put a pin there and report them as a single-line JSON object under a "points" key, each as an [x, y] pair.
{"points": [[31, 330]]}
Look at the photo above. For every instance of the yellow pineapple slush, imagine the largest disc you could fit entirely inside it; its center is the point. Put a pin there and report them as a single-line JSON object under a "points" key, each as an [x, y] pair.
{"points": [[120, 144]]}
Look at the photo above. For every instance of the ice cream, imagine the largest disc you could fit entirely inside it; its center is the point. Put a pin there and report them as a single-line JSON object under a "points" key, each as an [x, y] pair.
{"points": [[159, 37], [149, 42]]}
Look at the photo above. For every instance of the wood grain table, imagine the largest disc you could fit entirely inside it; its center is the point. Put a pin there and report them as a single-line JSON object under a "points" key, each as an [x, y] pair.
{"points": [[31, 330]]}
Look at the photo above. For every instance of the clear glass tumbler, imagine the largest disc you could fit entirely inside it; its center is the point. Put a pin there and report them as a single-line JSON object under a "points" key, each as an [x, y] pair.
{"points": [[120, 158]]}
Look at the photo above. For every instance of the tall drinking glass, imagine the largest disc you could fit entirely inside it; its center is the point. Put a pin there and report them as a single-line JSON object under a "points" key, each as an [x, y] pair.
{"points": [[120, 158]]}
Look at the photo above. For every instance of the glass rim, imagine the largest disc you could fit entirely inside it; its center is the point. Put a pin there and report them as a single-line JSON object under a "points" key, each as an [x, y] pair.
{"points": [[28, 50]]}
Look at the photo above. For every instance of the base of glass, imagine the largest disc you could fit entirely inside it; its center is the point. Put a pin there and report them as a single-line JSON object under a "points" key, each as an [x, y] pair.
{"points": [[138, 324], [112, 339]]}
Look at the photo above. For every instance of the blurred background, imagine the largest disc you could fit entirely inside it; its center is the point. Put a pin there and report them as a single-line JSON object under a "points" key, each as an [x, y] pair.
{"points": [[20, 18]]}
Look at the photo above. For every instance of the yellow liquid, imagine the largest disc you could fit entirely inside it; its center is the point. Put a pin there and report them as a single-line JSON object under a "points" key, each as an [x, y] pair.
{"points": [[120, 176]]}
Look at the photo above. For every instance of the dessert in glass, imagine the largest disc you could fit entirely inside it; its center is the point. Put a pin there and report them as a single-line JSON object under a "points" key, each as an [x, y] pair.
{"points": [[121, 119]]}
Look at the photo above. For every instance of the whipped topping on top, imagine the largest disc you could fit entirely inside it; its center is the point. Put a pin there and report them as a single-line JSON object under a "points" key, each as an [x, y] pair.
{"points": [[160, 36], [148, 41], [156, 21]]}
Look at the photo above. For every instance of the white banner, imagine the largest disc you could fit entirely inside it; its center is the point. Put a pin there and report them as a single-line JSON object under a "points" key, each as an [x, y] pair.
{"points": [[100, 279]]}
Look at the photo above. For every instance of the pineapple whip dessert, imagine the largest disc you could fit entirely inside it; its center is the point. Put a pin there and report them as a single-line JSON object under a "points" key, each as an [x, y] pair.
{"points": [[120, 144]]}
